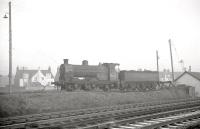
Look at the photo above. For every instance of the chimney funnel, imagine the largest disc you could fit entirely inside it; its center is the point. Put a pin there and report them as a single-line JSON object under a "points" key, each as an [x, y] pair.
{"points": [[84, 62], [65, 61]]}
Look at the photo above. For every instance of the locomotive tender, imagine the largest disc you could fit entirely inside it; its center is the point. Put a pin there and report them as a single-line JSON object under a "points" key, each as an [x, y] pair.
{"points": [[104, 77]]}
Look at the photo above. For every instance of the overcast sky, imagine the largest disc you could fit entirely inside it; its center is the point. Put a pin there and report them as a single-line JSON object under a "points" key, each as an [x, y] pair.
{"points": [[127, 32]]}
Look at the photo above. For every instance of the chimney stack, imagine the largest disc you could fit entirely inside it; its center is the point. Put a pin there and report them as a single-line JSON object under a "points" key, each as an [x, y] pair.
{"points": [[65, 61], [49, 69], [190, 69]]}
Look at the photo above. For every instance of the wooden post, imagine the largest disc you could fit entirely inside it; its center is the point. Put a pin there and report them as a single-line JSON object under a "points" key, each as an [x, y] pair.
{"points": [[171, 60], [157, 58]]}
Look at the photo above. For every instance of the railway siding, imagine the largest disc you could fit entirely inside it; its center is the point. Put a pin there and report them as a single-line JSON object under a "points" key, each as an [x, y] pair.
{"points": [[106, 116], [175, 121], [156, 120], [43, 116]]}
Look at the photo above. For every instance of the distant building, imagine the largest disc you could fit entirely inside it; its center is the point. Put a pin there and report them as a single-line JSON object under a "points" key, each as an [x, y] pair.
{"points": [[190, 79], [166, 75], [33, 79]]}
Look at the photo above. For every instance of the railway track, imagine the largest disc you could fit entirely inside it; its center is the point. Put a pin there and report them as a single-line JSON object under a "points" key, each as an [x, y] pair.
{"points": [[52, 115], [176, 121], [96, 117], [118, 119]]}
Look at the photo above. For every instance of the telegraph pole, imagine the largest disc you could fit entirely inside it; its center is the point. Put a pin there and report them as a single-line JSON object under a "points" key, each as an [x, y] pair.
{"points": [[171, 60], [10, 49], [157, 58]]}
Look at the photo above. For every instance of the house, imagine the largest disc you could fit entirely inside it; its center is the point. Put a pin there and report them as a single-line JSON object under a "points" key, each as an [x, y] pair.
{"points": [[190, 79], [33, 79]]}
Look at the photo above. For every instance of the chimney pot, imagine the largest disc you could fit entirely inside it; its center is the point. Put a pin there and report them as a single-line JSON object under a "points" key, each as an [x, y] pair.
{"points": [[190, 69], [65, 61]]}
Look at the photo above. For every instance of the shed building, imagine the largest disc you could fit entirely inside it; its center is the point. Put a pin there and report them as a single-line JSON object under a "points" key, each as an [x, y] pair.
{"points": [[190, 79]]}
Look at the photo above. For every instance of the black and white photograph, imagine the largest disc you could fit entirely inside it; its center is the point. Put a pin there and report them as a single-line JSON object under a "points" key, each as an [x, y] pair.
{"points": [[99, 64]]}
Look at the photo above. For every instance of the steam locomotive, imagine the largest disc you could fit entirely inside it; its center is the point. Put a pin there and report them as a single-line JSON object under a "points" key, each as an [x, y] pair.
{"points": [[105, 77]]}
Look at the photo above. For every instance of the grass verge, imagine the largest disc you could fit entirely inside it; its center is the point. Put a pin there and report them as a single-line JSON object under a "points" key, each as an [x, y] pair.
{"points": [[28, 103]]}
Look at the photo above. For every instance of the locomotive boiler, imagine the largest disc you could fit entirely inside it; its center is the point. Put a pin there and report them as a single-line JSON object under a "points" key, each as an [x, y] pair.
{"points": [[105, 77]]}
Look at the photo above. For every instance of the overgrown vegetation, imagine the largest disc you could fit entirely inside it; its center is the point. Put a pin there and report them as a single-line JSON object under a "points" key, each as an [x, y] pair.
{"points": [[28, 103]]}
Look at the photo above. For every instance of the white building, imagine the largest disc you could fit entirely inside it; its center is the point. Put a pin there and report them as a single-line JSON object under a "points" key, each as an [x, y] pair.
{"points": [[190, 79], [34, 79]]}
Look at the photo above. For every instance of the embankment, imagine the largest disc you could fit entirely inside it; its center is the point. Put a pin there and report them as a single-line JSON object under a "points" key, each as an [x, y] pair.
{"points": [[28, 103]]}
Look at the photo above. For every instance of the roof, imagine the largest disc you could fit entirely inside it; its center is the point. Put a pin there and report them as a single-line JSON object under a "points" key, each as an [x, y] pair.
{"points": [[193, 74], [31, 73]]}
